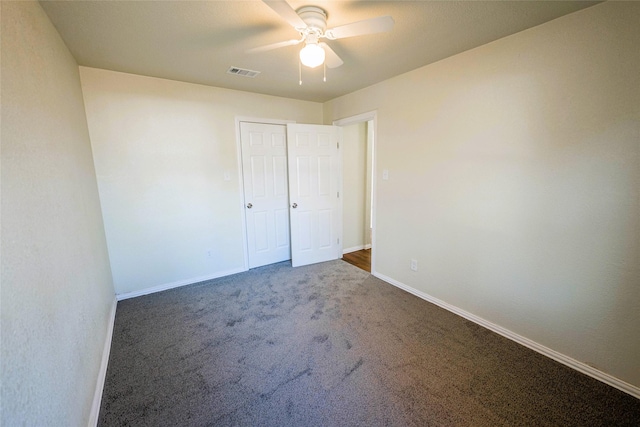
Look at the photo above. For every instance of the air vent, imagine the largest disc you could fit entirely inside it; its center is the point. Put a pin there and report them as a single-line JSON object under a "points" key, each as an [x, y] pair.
{"points": [[242, 72]]}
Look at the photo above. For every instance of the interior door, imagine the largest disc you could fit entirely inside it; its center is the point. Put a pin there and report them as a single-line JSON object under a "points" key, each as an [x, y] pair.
{"points": [[314, 185], [264, 169]]}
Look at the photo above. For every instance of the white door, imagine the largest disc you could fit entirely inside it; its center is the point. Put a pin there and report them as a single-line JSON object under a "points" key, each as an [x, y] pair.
{"points": [[264, 169], [314, 184]]}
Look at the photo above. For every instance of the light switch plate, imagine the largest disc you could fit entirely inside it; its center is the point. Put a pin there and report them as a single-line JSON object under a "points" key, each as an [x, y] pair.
{"points": [[385, 174]]}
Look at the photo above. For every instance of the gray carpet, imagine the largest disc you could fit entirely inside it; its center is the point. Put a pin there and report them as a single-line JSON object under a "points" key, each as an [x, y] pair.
{"points": [[331, 345]]}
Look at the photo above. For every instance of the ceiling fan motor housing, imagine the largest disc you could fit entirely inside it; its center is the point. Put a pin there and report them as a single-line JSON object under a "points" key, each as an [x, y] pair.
{"points": [[314, 17]]}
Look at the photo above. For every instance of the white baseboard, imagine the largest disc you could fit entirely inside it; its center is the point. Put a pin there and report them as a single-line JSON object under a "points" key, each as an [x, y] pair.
{"points": [[546, 351], [177, 284], [102, 374], [356, 248], [353, 249]]}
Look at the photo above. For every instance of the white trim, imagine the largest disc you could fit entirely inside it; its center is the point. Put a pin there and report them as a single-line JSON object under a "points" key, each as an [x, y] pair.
{"points": [[102, 373], [367, 246], [243, 214], [340, 148], [374, 191], [545, 351], [179, 283], [353, 249], [261, 120], [359, 118]]}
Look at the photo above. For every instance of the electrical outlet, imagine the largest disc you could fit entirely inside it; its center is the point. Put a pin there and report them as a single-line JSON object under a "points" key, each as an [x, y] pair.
{"points": [[414, 265], [209, 253]]}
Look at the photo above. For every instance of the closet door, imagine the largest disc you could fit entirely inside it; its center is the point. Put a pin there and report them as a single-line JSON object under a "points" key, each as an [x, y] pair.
{"points": [[264, 169], [314, 198]]}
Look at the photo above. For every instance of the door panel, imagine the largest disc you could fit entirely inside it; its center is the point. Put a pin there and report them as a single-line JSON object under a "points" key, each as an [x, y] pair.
{"points": [[280, 180], [314, 178], [258, 177], [282, 228], [264, 168]]}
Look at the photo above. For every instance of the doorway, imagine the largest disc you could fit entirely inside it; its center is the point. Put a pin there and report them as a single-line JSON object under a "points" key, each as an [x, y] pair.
{"points": [[358, 187]]}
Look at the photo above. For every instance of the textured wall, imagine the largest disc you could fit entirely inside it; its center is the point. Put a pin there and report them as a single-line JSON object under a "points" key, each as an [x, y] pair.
{"points": [[161, 151], [515, 183], [56, 283]]}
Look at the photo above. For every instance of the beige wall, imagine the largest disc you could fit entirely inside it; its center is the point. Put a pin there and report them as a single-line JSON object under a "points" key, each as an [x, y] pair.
{"points": [[354, 185], [514, 181], [161, 149], [57, 294]]}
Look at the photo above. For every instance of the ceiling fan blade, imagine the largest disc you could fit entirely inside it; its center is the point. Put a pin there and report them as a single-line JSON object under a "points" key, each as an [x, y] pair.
{"points": [[273, 46], [282, 8], [368, 26], [330, 57]]}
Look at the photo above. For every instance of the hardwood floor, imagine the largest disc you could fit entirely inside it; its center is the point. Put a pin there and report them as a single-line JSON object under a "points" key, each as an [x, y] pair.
{"points": [[361, 259]]}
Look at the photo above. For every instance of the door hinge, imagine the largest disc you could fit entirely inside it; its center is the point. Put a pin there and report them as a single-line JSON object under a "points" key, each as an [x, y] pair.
{"points": [[338, 194], [338, 240], [338, 144]]}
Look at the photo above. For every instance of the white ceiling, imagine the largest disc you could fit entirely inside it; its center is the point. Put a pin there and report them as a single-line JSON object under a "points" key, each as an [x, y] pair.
{"points": [[197, 41]]}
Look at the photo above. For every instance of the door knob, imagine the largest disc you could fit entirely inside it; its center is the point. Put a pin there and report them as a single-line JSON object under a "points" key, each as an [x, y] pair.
{"points": [[249, 205], [295, 205]]}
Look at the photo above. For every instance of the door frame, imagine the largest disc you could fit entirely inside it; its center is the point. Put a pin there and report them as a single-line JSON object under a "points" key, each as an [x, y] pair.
{"points": [[360, 118], [243, 212]]}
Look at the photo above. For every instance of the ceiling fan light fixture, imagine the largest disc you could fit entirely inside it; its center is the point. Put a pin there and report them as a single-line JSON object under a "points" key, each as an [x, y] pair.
{"points": [[312, 55], [311, 23]]}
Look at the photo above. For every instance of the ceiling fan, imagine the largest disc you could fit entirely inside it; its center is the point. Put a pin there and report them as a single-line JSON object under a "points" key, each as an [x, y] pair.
{"points": [[311, 23]]}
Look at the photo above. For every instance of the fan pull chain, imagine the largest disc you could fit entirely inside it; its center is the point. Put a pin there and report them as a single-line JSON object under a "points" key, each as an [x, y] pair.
{"points": [[300, 72]]}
